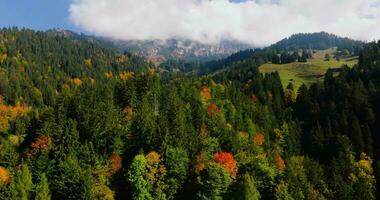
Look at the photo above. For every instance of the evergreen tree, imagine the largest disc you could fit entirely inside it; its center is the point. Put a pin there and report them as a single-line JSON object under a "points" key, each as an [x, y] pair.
{"points": [[22, 186], [42, 189]]}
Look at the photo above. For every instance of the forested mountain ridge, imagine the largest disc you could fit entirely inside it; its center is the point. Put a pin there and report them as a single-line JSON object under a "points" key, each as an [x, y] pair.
{"points": [[34, 64], [317, 41], [298, 47], [161, 50], [123, 130]]}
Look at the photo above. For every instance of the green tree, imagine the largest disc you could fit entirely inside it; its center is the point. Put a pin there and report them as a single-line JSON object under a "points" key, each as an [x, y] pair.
{"points": [[213, 182], [249, 190], [22, 185], [42, 189], [136, 176], [177, 162]]}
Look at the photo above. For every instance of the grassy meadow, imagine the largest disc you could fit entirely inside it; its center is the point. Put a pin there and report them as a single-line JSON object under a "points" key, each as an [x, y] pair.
{"points": [[309, 72]]}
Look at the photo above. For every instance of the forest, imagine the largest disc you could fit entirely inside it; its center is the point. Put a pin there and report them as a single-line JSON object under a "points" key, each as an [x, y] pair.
{"points": [[82, 121]]}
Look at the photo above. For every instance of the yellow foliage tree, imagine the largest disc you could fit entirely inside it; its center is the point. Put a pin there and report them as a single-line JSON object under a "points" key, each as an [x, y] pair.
{"points": [[126, 75], [88, 62], [108, 74], [5, 176], [8, 113]]}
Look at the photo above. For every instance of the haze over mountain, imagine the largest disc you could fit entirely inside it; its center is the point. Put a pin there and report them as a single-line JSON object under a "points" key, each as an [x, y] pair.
{"points": [[258, 22], [161, 50]]}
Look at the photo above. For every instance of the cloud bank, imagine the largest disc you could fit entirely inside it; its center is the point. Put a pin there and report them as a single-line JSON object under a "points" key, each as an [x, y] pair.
{"points": [[258, 22]]}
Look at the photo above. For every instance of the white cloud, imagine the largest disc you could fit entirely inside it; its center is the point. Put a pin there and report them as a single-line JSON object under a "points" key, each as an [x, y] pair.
{"points": [[259, 22]]}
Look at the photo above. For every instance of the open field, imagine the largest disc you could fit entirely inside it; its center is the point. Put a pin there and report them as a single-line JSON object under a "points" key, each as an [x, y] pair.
{"points": [[309, 72]]}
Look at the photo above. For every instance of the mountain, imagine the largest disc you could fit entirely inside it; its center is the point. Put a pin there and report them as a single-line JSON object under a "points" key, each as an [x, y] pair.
{"points": [[81, 121], [308, 42], [176, 48], [159, 51], [316, 41]]}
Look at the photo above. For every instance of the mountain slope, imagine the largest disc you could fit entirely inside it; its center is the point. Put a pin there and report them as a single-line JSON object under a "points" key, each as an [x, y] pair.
{"points": [[311, 42], [316, 41], [179, 48]]}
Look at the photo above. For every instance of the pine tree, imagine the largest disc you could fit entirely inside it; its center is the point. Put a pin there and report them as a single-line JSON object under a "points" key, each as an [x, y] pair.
{"points": [[249, 191], [23, 185], [42, 189]]}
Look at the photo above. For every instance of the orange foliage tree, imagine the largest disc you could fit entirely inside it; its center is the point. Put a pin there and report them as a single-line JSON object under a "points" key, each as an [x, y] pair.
{"points": [[227, 161], [40, 144], [259, 138], [5, 176], [280, 163], [115, 163], [205, 93], [77, 81], [212, 109]]}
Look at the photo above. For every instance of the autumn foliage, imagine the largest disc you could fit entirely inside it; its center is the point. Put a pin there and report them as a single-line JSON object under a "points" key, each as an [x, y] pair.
{"points": [[212, 109], [259, 138], [128, 111], [205, 93], [40, 144], [104, 192], [280, 163], [203, 132], [8, 113], [227, 161], [108, 74], [77, 81], [5, 176], [126, 75], [156, 170], [254, 99], [201, 160], [115, 161]]}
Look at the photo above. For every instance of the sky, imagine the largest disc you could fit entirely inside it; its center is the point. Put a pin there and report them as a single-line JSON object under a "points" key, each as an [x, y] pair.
{"points": [[258, 22]]}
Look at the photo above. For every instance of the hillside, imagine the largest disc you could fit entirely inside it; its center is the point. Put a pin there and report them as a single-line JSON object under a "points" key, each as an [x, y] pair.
{"points": [[33, 64], [80, 121], [309, 72], [159, 51], [180, 49], [317, 41]]}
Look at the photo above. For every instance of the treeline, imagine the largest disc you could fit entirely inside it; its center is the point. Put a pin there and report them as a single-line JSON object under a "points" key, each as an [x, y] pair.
{"points": [[237, 134], [35, 65], [344, 106], [297, 48], [318, 41]]}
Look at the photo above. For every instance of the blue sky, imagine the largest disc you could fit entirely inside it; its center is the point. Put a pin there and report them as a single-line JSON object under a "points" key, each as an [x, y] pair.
{"points": [[39, 14], [35, 14]]}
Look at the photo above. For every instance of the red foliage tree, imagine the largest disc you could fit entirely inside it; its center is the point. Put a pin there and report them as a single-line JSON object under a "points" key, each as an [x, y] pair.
{"points": [[115, 163], [212, 109], [280, 163], [254, 99], [227, 161], [41, 143]]}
